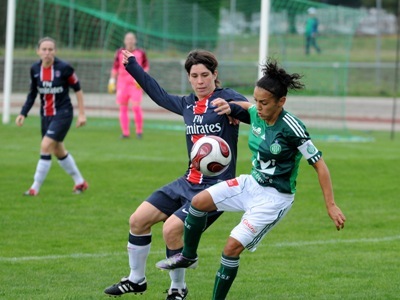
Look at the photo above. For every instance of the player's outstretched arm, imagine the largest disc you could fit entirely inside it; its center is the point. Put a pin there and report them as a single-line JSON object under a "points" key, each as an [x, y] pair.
{"points": [[324, 178]]}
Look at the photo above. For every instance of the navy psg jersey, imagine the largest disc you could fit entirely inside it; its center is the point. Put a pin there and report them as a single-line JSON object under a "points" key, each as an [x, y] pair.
{"points": [[53, 85], [199, 118]]}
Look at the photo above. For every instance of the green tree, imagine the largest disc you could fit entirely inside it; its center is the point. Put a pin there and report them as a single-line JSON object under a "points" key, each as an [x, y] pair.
{"points": [[3, 18]]}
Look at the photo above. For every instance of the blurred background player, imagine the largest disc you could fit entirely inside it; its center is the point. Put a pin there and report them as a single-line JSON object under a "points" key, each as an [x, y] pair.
{"points": [[127, 88], [311, 31], [277, 141], [52, 78], [171, 202]]}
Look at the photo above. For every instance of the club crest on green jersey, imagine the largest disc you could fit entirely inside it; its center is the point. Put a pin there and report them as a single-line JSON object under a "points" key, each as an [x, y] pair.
{"points": [[311, 149], [275, 148]]}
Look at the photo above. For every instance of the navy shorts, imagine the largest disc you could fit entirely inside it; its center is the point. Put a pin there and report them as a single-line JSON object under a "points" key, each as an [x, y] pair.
{"points": [[56, 127], [175, 198]]}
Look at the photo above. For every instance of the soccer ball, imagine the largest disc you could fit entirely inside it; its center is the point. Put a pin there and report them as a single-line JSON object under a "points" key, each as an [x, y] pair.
{"points": [[211, 155]]}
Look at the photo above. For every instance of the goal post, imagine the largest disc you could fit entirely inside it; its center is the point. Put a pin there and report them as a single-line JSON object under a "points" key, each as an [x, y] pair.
{"points": [[264, 34], [8, 60]]}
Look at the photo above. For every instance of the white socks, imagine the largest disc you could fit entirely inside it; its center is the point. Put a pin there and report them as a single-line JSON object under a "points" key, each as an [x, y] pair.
{"points": [[69, 165], [42, 168], [138, 254], [177, 278]]}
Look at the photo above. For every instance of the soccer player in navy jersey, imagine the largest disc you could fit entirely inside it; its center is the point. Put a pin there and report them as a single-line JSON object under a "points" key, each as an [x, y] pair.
{"points": [[170, 203], [52, 78]]}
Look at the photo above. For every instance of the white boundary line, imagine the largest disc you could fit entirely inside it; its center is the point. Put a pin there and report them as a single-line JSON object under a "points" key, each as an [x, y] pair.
{"points": [[288, 244], [350, 241]]}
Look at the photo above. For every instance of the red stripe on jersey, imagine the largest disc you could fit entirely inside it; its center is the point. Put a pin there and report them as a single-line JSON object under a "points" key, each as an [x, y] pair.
{"points": [[199, 108], [194, 176], [73, 79], [47, 75]]}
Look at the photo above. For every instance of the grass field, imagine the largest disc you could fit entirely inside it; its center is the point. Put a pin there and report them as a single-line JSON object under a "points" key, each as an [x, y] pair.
{"points": [[64, 246]]}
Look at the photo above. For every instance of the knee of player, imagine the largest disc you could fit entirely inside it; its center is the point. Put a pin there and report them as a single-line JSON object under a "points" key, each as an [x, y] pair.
{"points": [[203, 201], [172, 233], [46, 148], [139, 224], [233, 248]]}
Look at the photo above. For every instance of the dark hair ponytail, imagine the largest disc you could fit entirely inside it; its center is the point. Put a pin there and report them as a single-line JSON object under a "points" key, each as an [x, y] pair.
{"points": [[277, 81]]}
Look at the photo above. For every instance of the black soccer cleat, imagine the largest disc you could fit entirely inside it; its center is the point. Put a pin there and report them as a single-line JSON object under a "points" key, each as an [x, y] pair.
{"points": [[177, 261], [125, 286], [177, 294]]}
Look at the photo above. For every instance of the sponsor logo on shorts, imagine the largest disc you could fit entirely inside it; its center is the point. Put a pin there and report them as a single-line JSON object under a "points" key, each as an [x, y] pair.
{"points": [[248, 225], [185, 211], [50, 132], [232, 182]]}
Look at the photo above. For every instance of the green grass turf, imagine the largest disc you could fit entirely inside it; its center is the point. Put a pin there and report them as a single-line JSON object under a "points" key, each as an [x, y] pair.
{"points": [[64, 246]]}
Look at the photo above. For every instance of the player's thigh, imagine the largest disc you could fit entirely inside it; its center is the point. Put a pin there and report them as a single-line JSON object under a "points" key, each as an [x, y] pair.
{"points": [[260, 219], [59, 126], [203, 201], [44, 122], [173, 197], [136, 95], [145, 216], [232, 195], [122, 98]]}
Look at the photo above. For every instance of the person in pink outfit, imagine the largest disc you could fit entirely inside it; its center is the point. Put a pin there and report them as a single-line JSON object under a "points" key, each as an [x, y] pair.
{"points": [[127, 88]]}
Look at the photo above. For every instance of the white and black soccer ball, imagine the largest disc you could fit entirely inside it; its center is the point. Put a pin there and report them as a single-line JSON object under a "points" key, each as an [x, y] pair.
{"points": [[211, 155]]}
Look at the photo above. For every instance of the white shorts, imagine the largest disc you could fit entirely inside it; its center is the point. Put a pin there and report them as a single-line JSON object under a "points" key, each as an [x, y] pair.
{"points": [[263, 207]]}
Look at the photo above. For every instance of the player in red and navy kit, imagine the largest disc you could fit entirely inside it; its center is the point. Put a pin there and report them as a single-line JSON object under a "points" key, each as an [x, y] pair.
{"points": [[52, 78], [127, 88], [170, 203]]}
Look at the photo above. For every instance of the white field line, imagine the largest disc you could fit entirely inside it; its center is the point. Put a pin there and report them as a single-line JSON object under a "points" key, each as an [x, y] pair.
{"points": [[287, 244]]}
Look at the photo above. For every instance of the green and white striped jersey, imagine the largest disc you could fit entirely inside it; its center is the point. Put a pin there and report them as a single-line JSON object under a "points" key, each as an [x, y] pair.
{"points": [[277, 150]]}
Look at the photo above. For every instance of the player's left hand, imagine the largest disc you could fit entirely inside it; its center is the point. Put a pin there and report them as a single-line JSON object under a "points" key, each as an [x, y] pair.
{"points": [[222, 106], [81, 121], [337, 217]]}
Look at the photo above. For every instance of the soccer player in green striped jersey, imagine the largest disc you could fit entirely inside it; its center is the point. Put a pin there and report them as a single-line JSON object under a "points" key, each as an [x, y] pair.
{"points": [[277, 141]]}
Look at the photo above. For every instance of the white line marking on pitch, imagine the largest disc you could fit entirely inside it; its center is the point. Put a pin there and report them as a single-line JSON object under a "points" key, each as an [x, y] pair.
{"points": [[287, 244], [350, 241]]}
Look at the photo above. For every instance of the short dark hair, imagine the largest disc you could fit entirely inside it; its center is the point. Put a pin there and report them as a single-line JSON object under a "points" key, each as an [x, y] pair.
{"points": [[277, 81], [46, 39], [205, 58]]}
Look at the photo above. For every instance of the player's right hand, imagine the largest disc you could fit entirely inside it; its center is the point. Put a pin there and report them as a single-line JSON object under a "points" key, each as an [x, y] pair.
{"points": [[20, 120], [111, 86]]}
